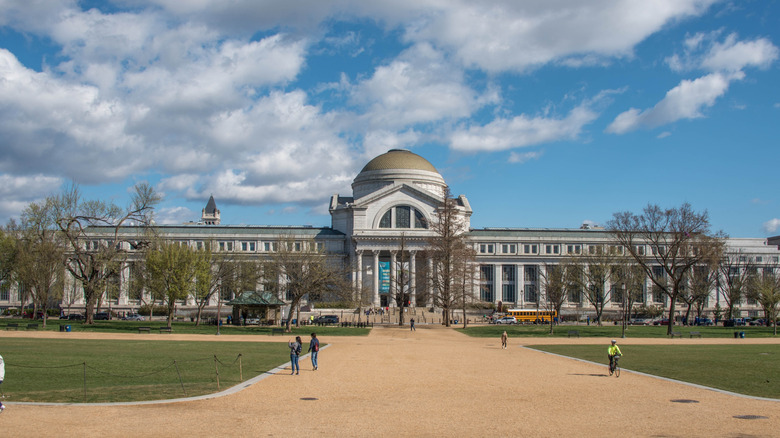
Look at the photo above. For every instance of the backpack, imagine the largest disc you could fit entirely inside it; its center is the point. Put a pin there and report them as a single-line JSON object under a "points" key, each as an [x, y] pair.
{"points": [[317, 347]]}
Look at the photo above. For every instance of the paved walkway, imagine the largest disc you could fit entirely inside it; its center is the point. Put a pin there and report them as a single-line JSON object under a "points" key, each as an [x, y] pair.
{"points": [[433, 382]]}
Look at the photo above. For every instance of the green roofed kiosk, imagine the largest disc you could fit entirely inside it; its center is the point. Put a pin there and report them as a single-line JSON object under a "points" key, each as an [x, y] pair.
{"points": [[257, 303]]}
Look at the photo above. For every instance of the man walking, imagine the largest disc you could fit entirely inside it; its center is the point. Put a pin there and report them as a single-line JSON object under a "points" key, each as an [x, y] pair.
{"points": [[314, 348], [411, 324]]}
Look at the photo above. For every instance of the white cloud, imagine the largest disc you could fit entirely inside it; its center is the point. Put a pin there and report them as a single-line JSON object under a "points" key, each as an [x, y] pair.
{"points": [[522, 157], [685, 101], [664, 134], [175, 215], [17, 192], [704, 51], [420, 86], [520, 131], [771, 225]]}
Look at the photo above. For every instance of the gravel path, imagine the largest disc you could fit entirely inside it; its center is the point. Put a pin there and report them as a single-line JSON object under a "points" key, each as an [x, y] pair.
{"points": [[434, 382]]}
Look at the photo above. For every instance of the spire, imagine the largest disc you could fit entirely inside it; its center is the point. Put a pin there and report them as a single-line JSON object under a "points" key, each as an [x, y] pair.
{"points": [[210, 214]]}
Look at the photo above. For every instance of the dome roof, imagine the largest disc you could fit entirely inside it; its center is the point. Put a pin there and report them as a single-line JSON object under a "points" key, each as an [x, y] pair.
{"points": [[399, 159]]}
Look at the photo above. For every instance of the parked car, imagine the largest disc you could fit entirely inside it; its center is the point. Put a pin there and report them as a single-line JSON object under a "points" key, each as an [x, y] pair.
{"points": [[133, 317], [759, 321], [74, 317], [664, 321], [507, 320], [704, 321], [101, 316], [639, 321], [327, 319]]}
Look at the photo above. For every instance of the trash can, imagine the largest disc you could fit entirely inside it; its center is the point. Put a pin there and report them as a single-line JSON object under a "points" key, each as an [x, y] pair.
{"points": [[736, 335], [67, 328], [62, 328], [742, 335]]}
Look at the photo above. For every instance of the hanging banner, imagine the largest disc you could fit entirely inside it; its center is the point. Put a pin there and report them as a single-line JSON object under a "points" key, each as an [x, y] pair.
{"points": [[384, 277]]}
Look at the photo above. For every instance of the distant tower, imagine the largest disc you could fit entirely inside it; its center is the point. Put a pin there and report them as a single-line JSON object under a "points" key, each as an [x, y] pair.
{"points": [[210, 213]]}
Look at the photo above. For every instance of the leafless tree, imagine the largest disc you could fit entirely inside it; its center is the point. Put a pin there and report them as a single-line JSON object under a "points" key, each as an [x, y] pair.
{"points": [[557, 283], [736, 271], [449, 251], [628, 280], [679, 239], [590, 270], [300, 268], [93, 262]]}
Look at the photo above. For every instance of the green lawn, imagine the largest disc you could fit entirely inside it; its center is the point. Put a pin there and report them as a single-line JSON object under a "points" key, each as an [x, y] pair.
{"points": [[613, 331], [119, 326], [53, 370], [745, 369]]}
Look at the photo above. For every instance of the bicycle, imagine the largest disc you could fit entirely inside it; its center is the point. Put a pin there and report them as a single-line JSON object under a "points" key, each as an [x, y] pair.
{"points": [[614, 367]]}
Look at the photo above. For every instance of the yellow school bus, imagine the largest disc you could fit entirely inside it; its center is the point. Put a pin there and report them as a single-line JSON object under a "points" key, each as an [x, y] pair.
{"points": [[532, 315]]}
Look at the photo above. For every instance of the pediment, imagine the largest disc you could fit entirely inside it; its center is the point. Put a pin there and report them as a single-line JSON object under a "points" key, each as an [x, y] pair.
{"points": [[393, 190]]}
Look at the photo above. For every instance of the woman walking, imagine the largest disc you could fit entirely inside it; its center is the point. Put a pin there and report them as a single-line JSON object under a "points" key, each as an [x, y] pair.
{"points": [[314, 348], [295, 351]]}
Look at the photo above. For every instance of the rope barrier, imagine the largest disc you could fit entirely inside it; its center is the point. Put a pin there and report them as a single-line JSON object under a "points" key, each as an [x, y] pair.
{"points": [[174, 363]]}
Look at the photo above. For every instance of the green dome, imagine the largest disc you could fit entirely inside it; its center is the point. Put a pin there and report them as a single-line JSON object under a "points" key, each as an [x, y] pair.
{"points": [[399, 159]]}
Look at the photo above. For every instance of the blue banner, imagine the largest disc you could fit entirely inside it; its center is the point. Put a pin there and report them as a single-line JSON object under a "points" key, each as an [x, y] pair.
{"points": [[384, 277]]}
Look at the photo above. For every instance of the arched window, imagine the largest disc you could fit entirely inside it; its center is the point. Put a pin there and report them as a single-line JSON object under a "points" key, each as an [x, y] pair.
{"points": [[403, 216]]}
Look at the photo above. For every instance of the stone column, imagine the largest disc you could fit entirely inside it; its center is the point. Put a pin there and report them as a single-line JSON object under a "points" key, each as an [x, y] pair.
{"points": [[521, 286], [359, 275], [413, 278], [393, 279], [498, 283], [429, 282], [124, 285], [376, 279]]}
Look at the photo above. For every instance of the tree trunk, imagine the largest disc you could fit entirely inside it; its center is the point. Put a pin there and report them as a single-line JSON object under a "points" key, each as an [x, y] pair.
{"points": [[672, 304]]}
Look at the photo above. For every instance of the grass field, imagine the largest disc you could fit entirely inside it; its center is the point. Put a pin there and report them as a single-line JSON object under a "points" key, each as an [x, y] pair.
{"points": [[745, 369], [119, 326], [54, 370], [613, 331]]}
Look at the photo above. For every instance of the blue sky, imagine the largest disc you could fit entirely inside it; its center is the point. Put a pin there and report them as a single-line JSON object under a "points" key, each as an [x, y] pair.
{"points": [[543, 113]]}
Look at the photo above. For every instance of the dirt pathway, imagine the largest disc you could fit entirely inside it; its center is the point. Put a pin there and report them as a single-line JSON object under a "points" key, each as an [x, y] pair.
{"points": [[432, 382]]}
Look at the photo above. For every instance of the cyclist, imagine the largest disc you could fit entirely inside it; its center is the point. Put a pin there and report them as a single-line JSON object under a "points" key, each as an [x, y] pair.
{"points": [[613, 351]]}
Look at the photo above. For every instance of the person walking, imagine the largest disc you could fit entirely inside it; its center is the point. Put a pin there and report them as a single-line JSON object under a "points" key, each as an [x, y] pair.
{"points": [[295, 352], [314, 348], [411, 325], [2, 377], [504, 338]]}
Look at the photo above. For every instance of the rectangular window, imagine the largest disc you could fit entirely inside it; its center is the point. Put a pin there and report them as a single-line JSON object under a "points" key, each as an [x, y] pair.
{"points": [[639, 249], [320, 246], [530, 293], [530, 249], [552, 249], [403, 217], [248, 246], [199, 245], [759, 259], [5, 292], [486, 248], [573, 249], [530, 274], [486, 283], [508, 248], [297, 247], [508, 274]]}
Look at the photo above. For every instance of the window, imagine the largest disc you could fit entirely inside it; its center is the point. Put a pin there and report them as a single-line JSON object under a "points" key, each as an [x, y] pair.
{"points": [[508, 248], [248, 246], [759, 259], [5, 292], [486, 248], [404, 216], [639, 249], [486, 283], [552, 249], [226, 246], [530, 249], [573, 249], [297, 247], [387, 220], [199, 245], [320, 246], [508, 273]]}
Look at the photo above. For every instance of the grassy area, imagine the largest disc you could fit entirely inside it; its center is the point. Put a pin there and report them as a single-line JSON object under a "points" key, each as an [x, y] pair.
{"points": [[613, 331], [745, 369], [181, 327], [53, 370]]}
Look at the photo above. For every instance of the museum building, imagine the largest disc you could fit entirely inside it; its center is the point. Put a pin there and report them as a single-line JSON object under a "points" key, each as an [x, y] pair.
{"points": [[385, 224]]}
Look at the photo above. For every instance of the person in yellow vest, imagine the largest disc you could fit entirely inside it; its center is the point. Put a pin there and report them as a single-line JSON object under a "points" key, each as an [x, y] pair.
{"points": [[612, 351]]}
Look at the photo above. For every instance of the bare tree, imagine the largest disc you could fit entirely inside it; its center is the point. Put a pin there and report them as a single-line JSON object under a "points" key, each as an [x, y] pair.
{"points": [[300, 268], [765, 288], [90, 261], [590, 270], [449, 250], [557, 283], [628, 280], [736, 271], [678, 238]]}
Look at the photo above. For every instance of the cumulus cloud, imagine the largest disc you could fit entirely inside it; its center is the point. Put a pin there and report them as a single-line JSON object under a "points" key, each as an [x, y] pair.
{"points": [[726, 60], [771, 225], [685, 101], [17, 192], [520, 131]]}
